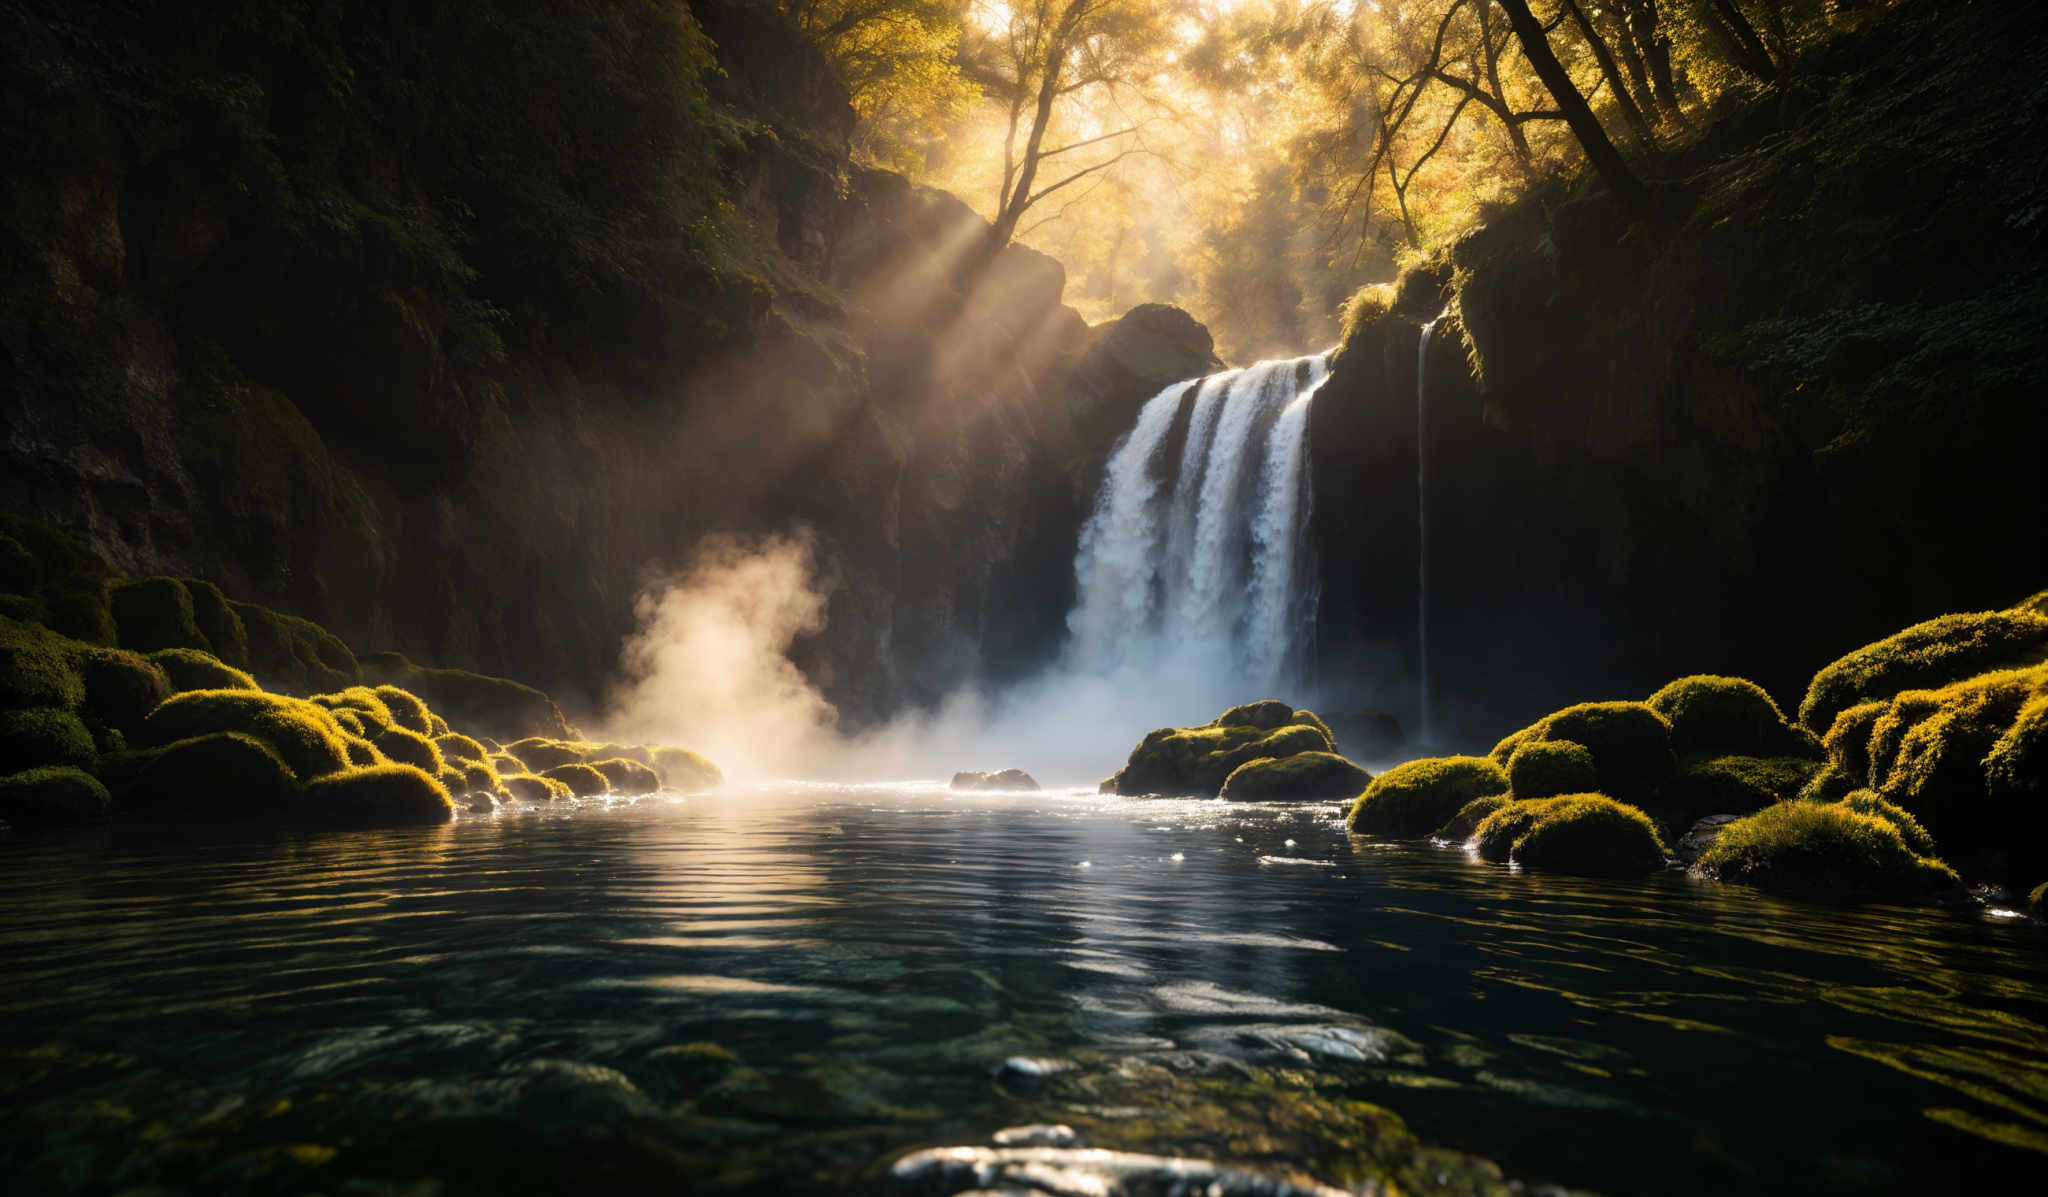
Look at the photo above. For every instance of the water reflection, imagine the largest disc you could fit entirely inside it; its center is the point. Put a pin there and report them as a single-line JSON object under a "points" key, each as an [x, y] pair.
{"points": [[775, 991]]}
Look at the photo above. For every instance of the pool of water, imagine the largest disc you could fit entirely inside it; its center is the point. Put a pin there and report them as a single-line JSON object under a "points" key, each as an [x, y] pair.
{"points": [[786, 990]]}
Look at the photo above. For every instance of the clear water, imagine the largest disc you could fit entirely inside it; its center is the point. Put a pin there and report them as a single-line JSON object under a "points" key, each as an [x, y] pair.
{"points": [[776, 992]]}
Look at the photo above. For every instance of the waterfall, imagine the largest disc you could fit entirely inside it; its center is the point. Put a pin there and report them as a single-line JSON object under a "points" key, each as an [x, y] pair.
{"points": [[1196, 574], [1422, 532]]}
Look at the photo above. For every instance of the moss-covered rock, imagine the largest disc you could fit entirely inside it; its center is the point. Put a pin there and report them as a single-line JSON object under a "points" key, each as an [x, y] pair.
{"points": [[121, 687], [1925, 656], [1866, 802], [1586, 834], [541, 753], [1630, 743], [408, 747], [406, 710], [497, 707], [2016, 768], [362, 753], [1266, 715], [369, 709], [1465, 823], [293, 653], [528, 788], [452, 779], [223, 774], [1717, 716], [626, 776], [226, 637], [386, 795], [681, 769], [477, 777], [196, 669], [305, 738], [52, 796], [1303, 777], [350, 721], [1940, 773], [1415, 799], [1729, 785], [156, 613], [1848, 738], [1832, 784], [1504, 751], [36, 736], [36, 668], [1824, 851], [457, 747], [1547, 768], [57, 582], [1311, 719], [2037, 901], [582, 780]]}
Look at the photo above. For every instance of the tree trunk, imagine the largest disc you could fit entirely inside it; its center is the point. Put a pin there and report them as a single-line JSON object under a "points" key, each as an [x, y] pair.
{"points": [[1584, 125], [1638, 72], [1656, 51], [1516, 137], [1605, 57], [1745, 48]]}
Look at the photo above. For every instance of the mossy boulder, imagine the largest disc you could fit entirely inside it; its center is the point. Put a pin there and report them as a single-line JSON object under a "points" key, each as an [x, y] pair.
{"points": [[362, 753], [157, 613], [1585, 834], [582, 780], [477, 777], [1823, 851], [1414, 799], [1303, 777], [1729, 785], [1547, 768], [492, 706], [1196, 761], [1949, 772], [1925, 656], [1504, 751], [627, 776], [35, 736], [53, 580], [1465, 823], [302, 734], [386, 795], [681, 769], [1719, 716], [36, 668], [1832, 784], [305, 738], [540, 753], [226, 637], [293, 653], [1630, 743], [1848, 738], [406, 709], [408, 747], [197, 669], [121, 687], [363, 701], [528, 788], [1005, 779], [455, 746], [223, 774], [52, 796], [1866, 802]]}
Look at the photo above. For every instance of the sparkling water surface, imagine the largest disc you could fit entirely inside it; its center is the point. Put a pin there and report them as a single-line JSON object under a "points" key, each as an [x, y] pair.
{"points": [[786, 989]]}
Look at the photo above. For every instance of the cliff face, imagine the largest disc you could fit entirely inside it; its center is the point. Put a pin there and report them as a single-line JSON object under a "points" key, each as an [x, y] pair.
{"points": [[1799, 408], [463, 402]]}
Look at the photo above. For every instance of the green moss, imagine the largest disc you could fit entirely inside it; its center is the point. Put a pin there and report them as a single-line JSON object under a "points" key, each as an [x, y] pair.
{"points": [[681, 769], [1547, 768], [202, 712], [1504, 751], [1900, 716], [224, 774], [225, 635], [408, 747], [1266, 714], [1848, 738], [1940, 773], [457, 747], [362, 753], [582, 780], [156, 613], [386, 795], [2037, 901], [350, 721], [1305, 777], [1586, 834], [406, 710], [453, 779], [1822, 851], [121, 687], [627, 776], [541, 753], [1866, 802], [1417, 798], [1288, 740], [1832, 784], [1198, 760], [1463, 824], [1925, 656], [34, 736], [305, 738], [505, 762], [493, 706], [295, 653], [1311, 719], [1630, 743], [2016, 768], [193, 669], [1730, 785], [1719, 715], [35, 669], [60, 583], [52, 796], [82, 615], [22, 609], [477, 777], [369, 708], [528, 788], [18, 572], [437, 726]]}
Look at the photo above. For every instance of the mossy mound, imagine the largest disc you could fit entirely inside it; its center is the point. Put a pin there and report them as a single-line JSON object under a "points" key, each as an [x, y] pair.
{"points": [[196, 669], [408, 747], [1504, 751], [302, 734], [35, 668], [226, 636], [1303, 777], [1716, 716], [1462, 825], [1729, 785], [386, 795], [452, 779], [406, 710], [2037, 901], [1848, 738], [1948, 771], [477, 777], [1005, 779], [350, 721], [1586, 834], [2016, 768], [36, 736], [681, 769], [295, 653], [1311, 719], [305, 738], [362, 753], [369, 709], [52, 796], [1832, 784], [1811, 850], [1417, 798], [627, 776], [1547, 768], [225, 774], [1925, 656], [1866, 802], [455, 746], [539, 753], [156, 613], [505, 762], [492, 706], [53, 580], [1196, 761], [121, 687], [582, 780], [1630, 743], [528, 788]]}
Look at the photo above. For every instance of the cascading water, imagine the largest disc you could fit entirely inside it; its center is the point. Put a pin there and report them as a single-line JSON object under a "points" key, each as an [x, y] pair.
{"points": [[1422, 532], [1196, 574]]}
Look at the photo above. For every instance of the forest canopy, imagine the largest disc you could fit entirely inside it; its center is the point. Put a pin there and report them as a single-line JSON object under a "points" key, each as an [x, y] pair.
{"points": [[1257, 161]]}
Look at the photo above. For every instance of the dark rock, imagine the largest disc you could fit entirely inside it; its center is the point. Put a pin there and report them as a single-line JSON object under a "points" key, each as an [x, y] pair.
{"points": [[1698, 836], [1066, 1172], [1008, 779], [1197, 761]]}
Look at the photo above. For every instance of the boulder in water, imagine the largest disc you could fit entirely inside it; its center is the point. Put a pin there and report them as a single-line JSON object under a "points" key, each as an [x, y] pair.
{"points": [[1417, 798], [1825, 851], [1007, 779], [1303, 777], [1196, 761], [1588, 834]]}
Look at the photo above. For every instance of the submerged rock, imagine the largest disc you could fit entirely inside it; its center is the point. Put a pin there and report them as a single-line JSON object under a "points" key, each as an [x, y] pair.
{"points": [[1008, 779], [1086, 1172]]}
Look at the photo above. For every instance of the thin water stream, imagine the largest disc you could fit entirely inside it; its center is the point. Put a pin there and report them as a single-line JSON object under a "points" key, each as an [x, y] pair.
{"points": [[784, 990]]}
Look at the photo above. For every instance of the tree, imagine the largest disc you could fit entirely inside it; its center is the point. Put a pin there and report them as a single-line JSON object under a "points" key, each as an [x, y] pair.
{"points": [[1577, 113], [899, 62]]}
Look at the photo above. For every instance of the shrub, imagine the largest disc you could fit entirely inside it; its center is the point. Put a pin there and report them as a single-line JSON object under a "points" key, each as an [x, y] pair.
{"points": [[223, 773], [1721, 715], [582, 780], [1547, 768], [35, 669], [1807, 849], [381, 794], [192, 669], [121, 687], [406, 710], [1420, 796], [225, 635], [457, 747], [1305, 777], [681, 769], [408, 747], [155, 614], [1463, 824], [537, 752], [33, 736], [627, 776], [1630, 743], [1848, 738], [51, 796], [1588, 834], [1730, 785], [1925, 656], [528, 788]]}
